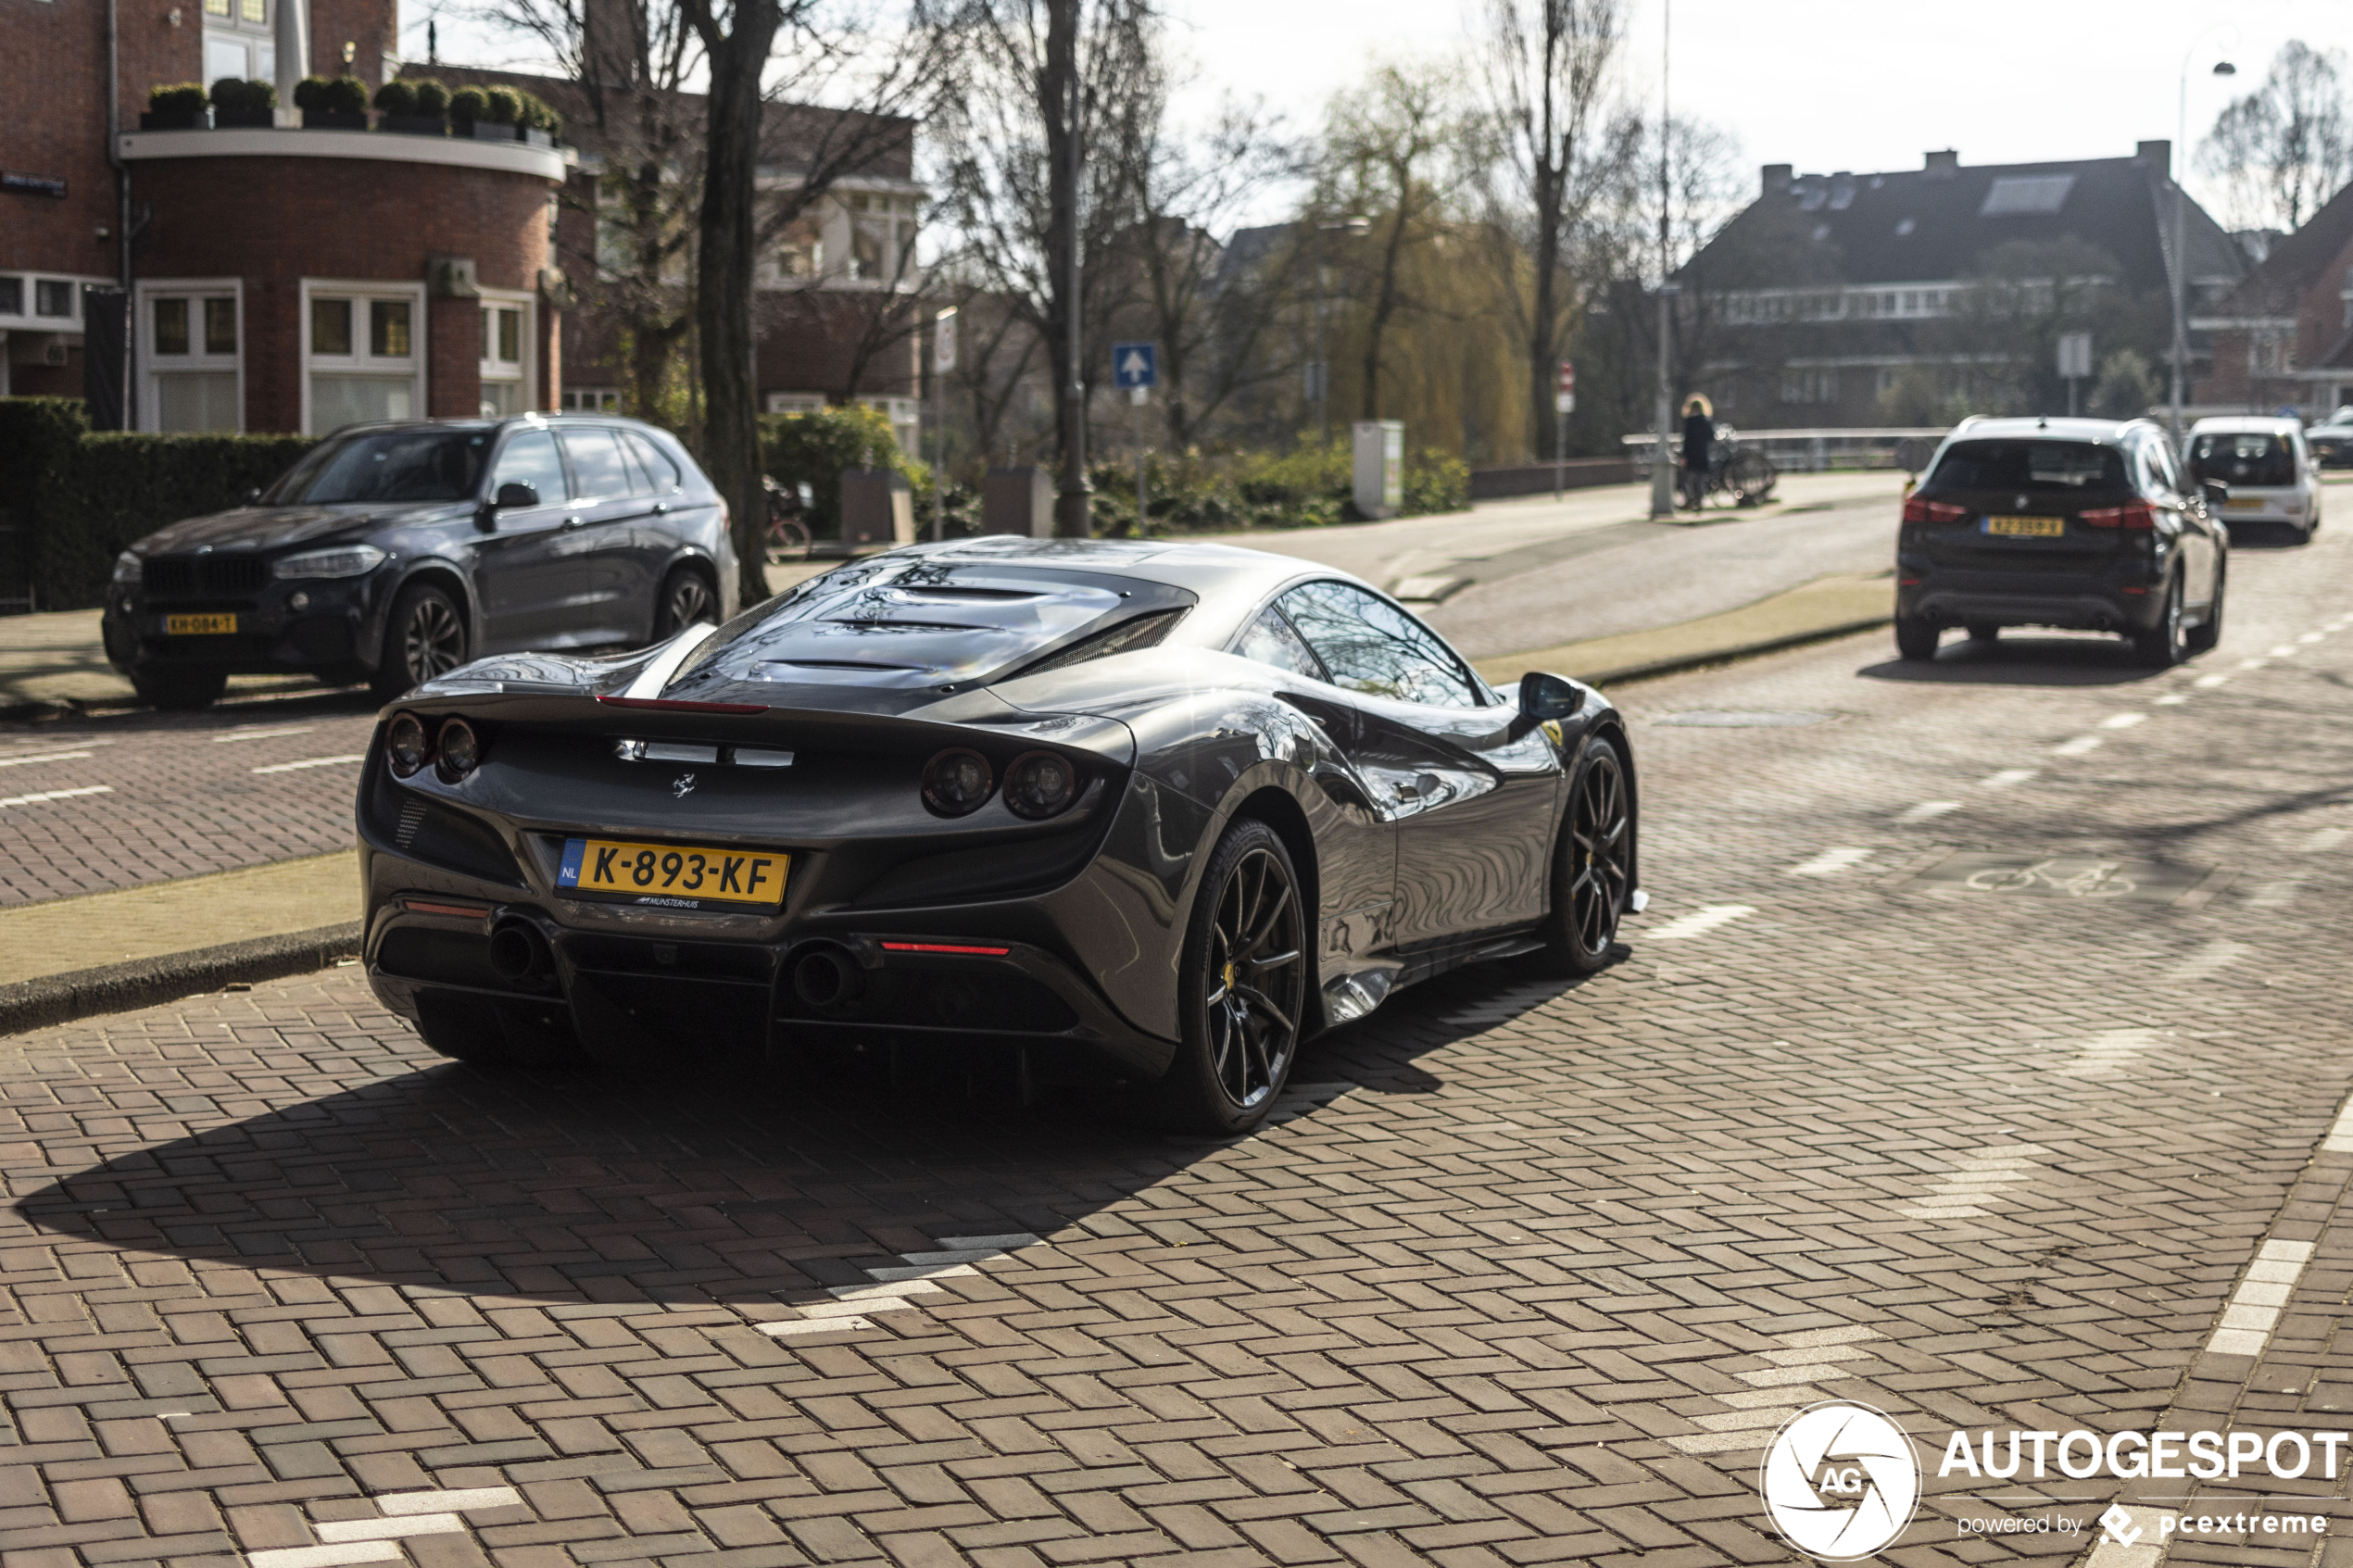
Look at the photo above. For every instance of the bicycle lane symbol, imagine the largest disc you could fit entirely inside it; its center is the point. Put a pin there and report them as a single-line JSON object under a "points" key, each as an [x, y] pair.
{"points": [[2096, 879]]}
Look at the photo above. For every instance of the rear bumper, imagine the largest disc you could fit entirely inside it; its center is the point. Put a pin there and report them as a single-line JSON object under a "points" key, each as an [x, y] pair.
{"points": [[2074, 607]]}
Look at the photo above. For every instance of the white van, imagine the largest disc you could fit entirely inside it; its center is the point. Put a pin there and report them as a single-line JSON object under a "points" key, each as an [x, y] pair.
{"points": [[2272, 475]]}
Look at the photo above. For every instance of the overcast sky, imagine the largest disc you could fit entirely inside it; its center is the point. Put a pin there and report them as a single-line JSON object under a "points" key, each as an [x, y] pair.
{"points": [[1823, 84]]}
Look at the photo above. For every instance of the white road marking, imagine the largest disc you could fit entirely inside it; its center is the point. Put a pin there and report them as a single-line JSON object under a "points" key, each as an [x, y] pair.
{"points": [[787, 1328], [2208, 683], [2141, 1527], [40, 757], [1008, 1242], [6, 800], [332, 1530], [2324, 839], [2208, 961], [263, 734], [920, 1271], [1813, 1355], [1926, 810], [2103, 1056], [2254, 663], [2312, 637], [2006, 777], [1978, 1179], [876, 1297], [2171, 699], [914, 1274], [309, 762], [464, 1500], [328, 1556], [2256, 1305], [1700, 922], [2121, 720], [2077, 746], [2275, 895], [1830, 862], [2285, 651], [2340, 1133]]}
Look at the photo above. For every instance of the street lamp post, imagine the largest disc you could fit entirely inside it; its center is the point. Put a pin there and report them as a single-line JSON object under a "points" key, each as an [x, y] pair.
{"points": [[1662, 481], [1322, 366], [2180, 235]]}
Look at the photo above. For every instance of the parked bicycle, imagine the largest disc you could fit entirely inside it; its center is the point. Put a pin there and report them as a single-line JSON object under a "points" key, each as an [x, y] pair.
{"points": [[788, 537], [1745, 475]]}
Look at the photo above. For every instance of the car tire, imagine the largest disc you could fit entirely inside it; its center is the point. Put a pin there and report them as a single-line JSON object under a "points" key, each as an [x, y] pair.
{"points": [[687, 596], [2202, 637], [426, 635], [1236, 1043], [1984, 634], [1592, 869], [180, 691], [2166, 644], [482, 1033], [1916, 638]]}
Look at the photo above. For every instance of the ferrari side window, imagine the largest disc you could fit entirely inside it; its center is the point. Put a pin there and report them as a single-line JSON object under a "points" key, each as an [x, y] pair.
{"points": [[1270, 640], [1370, 645]]}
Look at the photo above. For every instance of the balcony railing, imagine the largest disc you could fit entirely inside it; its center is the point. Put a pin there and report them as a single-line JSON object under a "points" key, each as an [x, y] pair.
{"points": [[1810, 451]]}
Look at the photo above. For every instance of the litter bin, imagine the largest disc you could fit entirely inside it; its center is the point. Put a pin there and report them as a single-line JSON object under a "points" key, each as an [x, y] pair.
{"points": [[1380, 466], [876, 507], [1018, 500]]}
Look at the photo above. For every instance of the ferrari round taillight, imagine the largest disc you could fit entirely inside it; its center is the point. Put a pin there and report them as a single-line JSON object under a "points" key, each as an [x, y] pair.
{"points": [[460, 750], [1041, 785], [404, 745], [957, 782]]}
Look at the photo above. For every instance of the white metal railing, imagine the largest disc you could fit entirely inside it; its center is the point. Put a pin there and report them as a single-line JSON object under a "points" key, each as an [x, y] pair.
{"points": [[1801, 451]]}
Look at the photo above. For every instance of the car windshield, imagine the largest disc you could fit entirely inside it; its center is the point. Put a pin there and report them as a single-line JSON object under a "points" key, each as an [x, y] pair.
{"points": [[2243, 457], [2049, 467], [404, 465]]}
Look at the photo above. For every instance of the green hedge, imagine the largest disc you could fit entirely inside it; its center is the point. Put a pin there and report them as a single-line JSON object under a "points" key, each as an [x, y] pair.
{"points": [[1308, 487], [813, 448], [86, 497]]}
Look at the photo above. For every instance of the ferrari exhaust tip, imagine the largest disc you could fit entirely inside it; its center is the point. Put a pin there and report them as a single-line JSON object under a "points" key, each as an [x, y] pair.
{"points": [[519, 952], [827, 977]]}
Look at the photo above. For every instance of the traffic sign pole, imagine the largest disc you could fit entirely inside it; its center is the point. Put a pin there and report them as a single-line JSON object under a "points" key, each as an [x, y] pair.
{"points": [[943, 360], [1563, 404], [1136, 366]]}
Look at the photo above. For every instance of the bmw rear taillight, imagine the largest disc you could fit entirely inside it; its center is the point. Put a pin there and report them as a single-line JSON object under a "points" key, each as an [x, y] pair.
{"points": [[2138, 516], [1918, 510]]}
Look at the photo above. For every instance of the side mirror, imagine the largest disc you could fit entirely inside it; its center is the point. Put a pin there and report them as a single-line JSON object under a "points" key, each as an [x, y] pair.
{"points": [[515, 495], [1544, 697], [2215, 493]]}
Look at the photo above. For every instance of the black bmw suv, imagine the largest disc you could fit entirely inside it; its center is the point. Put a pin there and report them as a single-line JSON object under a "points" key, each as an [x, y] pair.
{"points": [[2082, 523], [392, 553]]}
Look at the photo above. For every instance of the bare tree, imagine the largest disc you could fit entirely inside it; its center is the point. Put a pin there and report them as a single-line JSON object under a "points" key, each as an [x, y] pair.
{"points": [[1386, 148], [1553, 149], [2286, 147], [1035, 75]]}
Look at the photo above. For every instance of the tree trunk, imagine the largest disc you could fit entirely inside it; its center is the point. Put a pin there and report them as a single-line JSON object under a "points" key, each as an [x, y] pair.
{"points": [[1055, 93], [724, 284]]}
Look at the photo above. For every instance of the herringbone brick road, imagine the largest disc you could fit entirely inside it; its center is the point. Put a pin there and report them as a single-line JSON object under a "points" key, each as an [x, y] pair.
{"points": [[1526, 1274]]}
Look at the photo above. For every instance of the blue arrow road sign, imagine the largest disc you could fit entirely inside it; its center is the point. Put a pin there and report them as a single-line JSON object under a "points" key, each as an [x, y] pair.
{"points": [[1135, 364]]}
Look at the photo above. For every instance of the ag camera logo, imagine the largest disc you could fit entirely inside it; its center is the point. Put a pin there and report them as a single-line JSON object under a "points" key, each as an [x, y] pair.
{"points": [[1840, 1481]]}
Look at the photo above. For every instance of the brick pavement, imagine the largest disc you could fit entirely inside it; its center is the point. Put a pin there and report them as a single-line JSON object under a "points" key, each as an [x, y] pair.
{"points": [[177, 794], [1528, 1272]]}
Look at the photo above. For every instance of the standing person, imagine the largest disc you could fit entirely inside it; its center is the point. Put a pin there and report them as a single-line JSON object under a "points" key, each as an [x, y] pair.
{"points": [[1699, 449]]}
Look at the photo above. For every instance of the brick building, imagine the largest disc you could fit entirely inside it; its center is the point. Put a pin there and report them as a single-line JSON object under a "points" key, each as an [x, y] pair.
{"points": [[278, 278], [2283, 338]]}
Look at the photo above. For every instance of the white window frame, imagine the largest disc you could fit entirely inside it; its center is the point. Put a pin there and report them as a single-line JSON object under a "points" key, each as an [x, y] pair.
{"points": [[233, 30], [361, 290], [524, 374], [589, 400], [794, 403], [151, 368]]}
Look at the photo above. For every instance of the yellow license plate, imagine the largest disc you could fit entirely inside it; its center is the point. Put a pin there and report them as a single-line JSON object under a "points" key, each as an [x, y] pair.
{"points": [[2248, 506], [198, 625], [676, 876], [2028, 527]]}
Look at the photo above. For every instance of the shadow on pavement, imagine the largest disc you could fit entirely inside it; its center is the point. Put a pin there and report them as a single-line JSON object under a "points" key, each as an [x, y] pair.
{"points": [[587, 1188], [2022, 659]]}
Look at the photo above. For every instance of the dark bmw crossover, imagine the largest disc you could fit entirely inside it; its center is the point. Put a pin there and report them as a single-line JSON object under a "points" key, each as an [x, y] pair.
{"points": [[2081, 524], [393, 553], [1136, 811]]}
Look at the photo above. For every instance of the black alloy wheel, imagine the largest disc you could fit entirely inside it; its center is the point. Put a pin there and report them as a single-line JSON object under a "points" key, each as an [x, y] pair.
{"points": [[2207, 633], [1244, 984], [1593, 866], [2166, 644], [424, 637], [685, 599], [1916, 638]]}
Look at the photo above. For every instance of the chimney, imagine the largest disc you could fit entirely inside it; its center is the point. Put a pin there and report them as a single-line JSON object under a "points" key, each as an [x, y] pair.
{"points": [[2157, 153], [1776, 177], [609, 41], [1944, 165]]}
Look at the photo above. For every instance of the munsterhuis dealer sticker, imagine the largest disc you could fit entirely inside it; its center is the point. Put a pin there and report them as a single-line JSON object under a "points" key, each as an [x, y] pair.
{"points": [[1841, 1482]]}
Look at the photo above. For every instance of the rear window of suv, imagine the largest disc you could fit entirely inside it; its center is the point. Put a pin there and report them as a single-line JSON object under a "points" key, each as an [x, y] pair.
{"points": [[2048, 468], [2248, 458]]}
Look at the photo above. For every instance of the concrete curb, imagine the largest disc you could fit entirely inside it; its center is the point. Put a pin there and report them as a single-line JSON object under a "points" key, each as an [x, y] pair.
{"points": [[1701, 660], [84, 993]]}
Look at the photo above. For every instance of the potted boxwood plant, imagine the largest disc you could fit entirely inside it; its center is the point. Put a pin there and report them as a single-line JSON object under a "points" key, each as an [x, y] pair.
{"points": [[249, 105], [398, 110], [338, 103], [178, 106], [467, 106], [502, 108], [537, 123]]}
